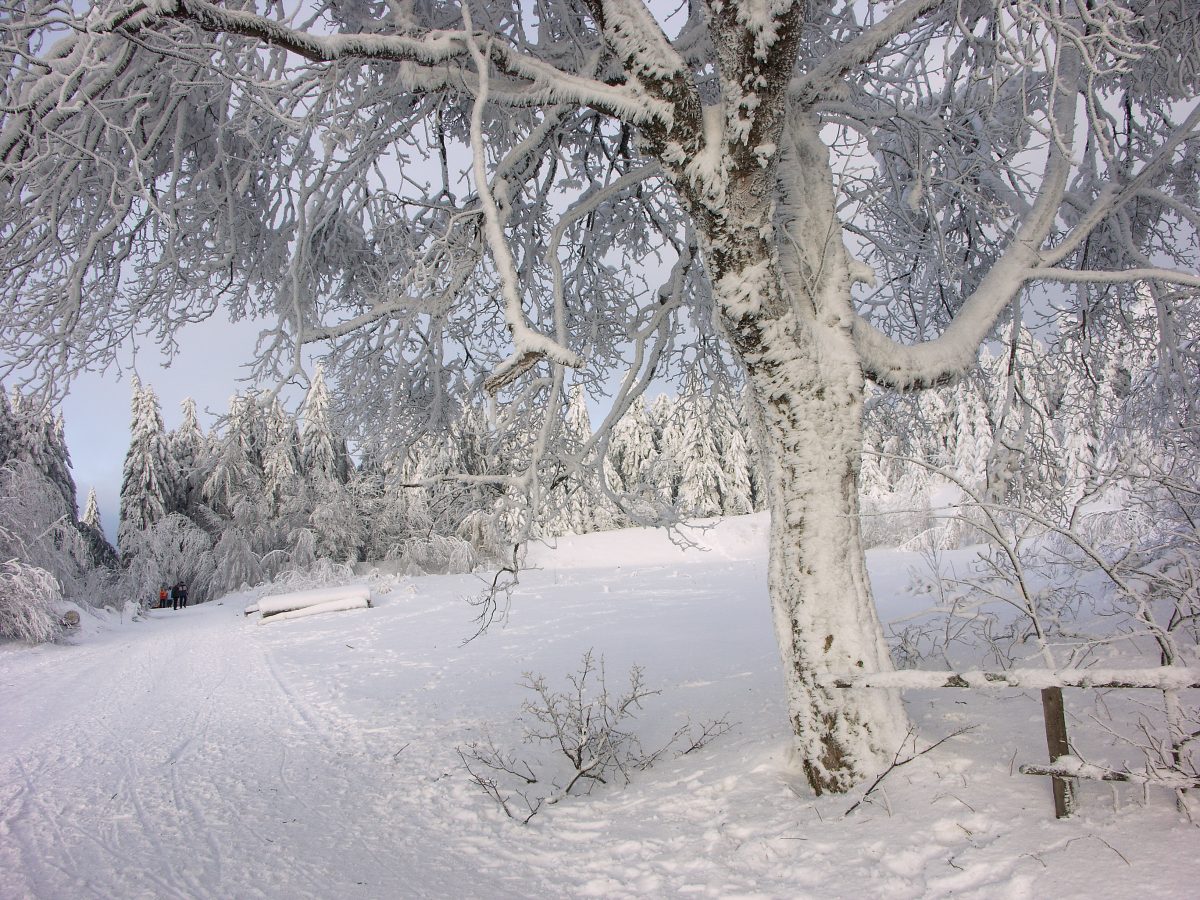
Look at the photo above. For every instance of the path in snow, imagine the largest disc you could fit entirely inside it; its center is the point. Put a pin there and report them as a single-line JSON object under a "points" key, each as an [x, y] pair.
{"points": [[173, 761]]}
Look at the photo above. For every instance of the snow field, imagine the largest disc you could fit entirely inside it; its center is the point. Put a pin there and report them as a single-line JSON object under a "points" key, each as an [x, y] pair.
{"points": [[196, 755]]}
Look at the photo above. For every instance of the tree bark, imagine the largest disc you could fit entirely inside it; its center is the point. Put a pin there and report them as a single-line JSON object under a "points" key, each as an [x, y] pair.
{"points": [[808, 415], [788, 317]]}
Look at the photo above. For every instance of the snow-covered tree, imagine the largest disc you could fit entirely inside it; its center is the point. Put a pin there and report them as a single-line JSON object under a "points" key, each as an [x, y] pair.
{"points": [[171, 550], [972, 433], [631, 449], [101, 551], [575, 500], [322, 450], [234, 468], [737, 490], [36, 528], [282, 465], [189, 448], [697, 454], [38, 438], [836, 191], [146, 486]]}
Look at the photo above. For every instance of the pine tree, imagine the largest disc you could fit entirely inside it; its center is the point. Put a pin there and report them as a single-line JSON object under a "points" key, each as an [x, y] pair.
{"points": [[234, 467], [236, 562], [733, 460], [146, 488], [99, 549], [698, 457], [737, 493], [665, 417], [281, 459], [631, 451], [40, 440], [322, 450], [189, 449], [972, 441]]}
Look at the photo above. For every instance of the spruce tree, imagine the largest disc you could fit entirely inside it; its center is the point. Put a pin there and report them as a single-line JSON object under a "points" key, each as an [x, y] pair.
{"points": [[40, 440], [234, 469], [281, 460], [323, 451], [146, 487], [700, 473], [99, 549], [189, 449]]}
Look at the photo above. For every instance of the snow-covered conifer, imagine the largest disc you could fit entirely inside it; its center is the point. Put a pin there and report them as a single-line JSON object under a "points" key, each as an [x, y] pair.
{"points": [[281, 458], [233, 470], [235, 562], [698, 457], [146, 485], [39, 438], [90, 526], [737, 492], [323, 451], [666, 418], [189, 450], [631, 450]]}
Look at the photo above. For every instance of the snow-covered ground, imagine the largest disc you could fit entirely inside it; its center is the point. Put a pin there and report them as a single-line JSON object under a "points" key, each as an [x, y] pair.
{"points": [[198, 755]]}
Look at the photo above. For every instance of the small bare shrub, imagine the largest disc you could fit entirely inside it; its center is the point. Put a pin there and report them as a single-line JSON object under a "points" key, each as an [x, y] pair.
{"points": [[587, 727]]}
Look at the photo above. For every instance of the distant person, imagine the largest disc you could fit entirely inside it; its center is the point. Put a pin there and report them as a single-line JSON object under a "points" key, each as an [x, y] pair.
{"points": [[183, 594], [162, 597], [175, 596]]}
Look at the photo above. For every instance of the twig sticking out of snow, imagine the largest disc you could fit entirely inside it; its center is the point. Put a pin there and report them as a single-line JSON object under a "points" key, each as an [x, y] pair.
{"points": [[897, 762]]}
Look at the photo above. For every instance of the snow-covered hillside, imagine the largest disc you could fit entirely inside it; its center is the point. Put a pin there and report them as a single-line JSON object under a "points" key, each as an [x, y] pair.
{"points": [[198, 755]]}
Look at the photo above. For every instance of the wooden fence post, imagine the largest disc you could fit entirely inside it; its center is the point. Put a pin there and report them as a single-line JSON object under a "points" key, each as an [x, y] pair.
{"points": [[1058, 745]]}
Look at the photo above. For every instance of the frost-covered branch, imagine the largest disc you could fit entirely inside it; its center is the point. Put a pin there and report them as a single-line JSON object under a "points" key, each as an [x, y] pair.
{"points": [[821, 81], [433, 50], [529, 345]]}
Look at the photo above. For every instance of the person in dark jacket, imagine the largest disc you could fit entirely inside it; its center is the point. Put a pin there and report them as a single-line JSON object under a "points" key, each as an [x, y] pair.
{"points": [[175, 596]]}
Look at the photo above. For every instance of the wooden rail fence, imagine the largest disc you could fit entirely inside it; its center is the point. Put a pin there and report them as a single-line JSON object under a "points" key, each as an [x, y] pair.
{"points": [[1064, 768]]}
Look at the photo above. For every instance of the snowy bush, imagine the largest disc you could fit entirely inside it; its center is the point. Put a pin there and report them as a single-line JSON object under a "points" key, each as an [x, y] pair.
{"points": [[319, 574], [28, 599], [434, 554]]}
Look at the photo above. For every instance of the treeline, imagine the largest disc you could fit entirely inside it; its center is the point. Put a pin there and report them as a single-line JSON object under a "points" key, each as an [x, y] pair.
{"points": [[1030, 429], [268, 491]]}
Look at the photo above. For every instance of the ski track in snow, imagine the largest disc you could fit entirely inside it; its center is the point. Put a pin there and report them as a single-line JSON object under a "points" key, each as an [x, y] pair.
{"points": [[196, 755]]}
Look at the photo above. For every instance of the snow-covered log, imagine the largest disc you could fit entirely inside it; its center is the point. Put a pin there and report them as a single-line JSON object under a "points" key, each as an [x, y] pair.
{"points": [[273, 606], [341, 605], [1159, 678]]}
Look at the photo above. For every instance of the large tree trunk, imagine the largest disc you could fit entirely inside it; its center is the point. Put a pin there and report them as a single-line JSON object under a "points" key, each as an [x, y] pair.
{"points": [[808, 413], [787, 316]]}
